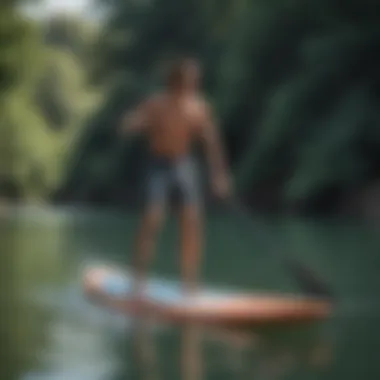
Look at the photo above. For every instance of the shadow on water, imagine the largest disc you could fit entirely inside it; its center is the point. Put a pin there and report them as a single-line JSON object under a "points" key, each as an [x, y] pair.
{"points": [[49, 331]]}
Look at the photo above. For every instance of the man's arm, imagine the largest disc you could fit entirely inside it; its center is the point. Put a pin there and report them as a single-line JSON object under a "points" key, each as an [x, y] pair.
{"points": [[212, 144], [136, 120]]}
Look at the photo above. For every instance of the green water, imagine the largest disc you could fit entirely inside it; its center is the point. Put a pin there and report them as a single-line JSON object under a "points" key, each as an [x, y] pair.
{"points": [[49, 331]]}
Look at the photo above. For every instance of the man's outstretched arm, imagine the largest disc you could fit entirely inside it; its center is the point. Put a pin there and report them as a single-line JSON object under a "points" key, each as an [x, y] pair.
{"points": [[215, 155], [136, 120]]}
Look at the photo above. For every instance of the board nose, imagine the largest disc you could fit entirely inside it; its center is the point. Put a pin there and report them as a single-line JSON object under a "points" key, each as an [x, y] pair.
{"points": [[92, 278]]}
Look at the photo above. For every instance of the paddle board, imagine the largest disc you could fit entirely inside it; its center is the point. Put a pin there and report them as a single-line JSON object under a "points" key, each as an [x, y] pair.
{"points": [[163, 300]]}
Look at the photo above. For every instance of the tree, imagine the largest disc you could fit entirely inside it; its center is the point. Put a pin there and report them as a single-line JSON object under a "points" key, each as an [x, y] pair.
{"points": [[44, 98], [295, 84]]}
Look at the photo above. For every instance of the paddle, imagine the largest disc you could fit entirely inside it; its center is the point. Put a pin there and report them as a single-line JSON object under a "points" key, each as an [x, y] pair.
{"points": [[305, 278]]}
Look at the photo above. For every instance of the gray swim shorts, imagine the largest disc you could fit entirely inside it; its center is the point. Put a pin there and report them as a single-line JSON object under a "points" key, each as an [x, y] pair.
{"points": [[165, 177]]}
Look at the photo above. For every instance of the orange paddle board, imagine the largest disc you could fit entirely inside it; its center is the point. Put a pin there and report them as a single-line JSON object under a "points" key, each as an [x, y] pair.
{"points": [[164, 301]]}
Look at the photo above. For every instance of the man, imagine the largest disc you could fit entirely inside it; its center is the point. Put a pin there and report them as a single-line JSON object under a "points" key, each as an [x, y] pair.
{"points": [[171, 121]]}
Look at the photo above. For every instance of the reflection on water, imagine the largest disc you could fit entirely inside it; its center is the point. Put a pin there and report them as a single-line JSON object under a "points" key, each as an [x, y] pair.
{"points": [[205, 354], [74, 350], [49, 331]]}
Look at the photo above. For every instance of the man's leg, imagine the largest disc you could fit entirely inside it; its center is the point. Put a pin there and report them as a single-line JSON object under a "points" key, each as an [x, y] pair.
{"points": [[150, 222], [190, 245], [190, 224], [145, 243]]}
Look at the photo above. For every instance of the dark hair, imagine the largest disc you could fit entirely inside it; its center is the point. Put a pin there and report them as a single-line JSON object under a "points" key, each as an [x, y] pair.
{"points": [[177, 70]]}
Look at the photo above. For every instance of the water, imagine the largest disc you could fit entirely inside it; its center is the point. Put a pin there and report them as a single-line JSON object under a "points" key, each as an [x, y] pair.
{"points": [[48, 331]]}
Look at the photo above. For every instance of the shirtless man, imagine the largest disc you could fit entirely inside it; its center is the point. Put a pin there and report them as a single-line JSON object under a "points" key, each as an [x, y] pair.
{"points": [[171, 121]]}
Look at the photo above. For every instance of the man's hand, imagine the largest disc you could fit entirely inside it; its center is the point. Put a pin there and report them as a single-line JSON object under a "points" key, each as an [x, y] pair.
{"points": [[131, 123], [135, 121], [221, 185]]}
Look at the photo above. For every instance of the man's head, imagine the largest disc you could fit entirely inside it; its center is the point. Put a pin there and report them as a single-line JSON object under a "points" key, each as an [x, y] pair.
{"points": [[184, 75]]}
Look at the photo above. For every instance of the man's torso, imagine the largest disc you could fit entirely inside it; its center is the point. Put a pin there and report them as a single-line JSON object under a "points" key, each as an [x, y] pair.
{"points": [[173, 125]]}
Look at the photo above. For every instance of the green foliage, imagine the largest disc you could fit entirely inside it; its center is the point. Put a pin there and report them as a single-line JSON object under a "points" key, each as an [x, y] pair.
{"points": [[17, 41], [296, 86], [44, 98]]}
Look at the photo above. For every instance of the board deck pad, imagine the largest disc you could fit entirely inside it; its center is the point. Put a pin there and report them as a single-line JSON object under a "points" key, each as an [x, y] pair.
{"points": [[119, 284], [165, 299]]}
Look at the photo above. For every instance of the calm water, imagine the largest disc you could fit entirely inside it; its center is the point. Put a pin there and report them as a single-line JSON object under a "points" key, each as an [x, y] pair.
{"points": [[49, 331]]}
